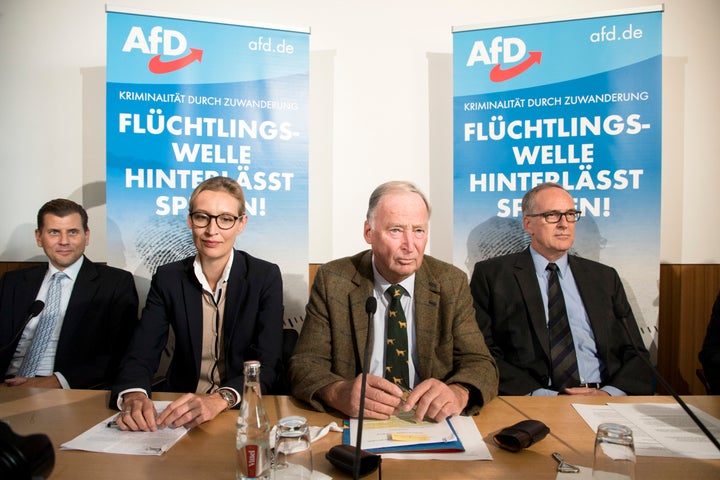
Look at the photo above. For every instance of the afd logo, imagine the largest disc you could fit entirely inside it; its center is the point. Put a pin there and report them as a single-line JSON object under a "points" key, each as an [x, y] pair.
{"points": [[515, 59], [162, 43]]}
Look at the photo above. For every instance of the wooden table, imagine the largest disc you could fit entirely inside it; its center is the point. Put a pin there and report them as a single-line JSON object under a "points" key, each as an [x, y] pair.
{"points": [[208, 451]]}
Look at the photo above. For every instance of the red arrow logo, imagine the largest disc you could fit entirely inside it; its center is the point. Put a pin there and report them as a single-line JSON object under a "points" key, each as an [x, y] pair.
{"points": [[158, 66], [497, 74]]}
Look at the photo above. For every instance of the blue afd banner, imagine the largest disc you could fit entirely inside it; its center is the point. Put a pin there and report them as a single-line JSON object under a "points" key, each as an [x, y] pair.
{"points": [[188, 100], [576, 102]]}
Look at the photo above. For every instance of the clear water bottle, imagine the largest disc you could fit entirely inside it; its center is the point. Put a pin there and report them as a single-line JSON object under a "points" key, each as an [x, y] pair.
{"points": [[253, 429]]}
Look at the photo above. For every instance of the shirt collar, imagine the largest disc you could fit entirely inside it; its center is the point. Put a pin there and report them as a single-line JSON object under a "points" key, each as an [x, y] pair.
{"points": [[72, 271], [381, 284], [541, 263], [197, 267]]}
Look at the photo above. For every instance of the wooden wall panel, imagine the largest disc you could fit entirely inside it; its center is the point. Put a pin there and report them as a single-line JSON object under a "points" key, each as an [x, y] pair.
{"points": [[312, 271], [7, 266], [687, 293]]}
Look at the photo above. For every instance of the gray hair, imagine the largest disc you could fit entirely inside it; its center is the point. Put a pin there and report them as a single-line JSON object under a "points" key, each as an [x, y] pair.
{"points": [[390, 187], [528, 201]]}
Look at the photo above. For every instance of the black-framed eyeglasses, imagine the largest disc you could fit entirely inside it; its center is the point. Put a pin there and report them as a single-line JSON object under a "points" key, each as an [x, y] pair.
{"points": [[554, 216], [224, 221]]}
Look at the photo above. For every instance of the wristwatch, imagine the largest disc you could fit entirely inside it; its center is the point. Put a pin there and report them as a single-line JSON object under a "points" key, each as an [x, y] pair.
{"points": [[228, 396]]}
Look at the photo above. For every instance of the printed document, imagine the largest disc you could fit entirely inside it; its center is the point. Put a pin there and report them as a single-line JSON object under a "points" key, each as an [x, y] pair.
{"points": [[106, 438], [659, 429]]}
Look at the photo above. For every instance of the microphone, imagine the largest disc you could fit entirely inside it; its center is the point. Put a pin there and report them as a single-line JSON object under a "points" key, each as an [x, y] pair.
{"points": [[667, 386], [362, 462], [35, 308], [370, 308]]}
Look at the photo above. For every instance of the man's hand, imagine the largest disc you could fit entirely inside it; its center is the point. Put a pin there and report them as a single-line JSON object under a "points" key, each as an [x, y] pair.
{"points": [[50, 381], [138, 413], [191, 410], [382, 397], [188, 411], [436, 400], [585, 391]]}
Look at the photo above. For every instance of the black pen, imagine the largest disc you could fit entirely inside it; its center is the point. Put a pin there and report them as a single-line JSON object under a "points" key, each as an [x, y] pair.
{"points": [[112, 424]]}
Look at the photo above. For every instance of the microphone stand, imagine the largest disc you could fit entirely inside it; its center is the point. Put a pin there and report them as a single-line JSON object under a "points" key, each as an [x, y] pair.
{"points": [[347, 458], [370, 308], [667, 387], [35, 308]]}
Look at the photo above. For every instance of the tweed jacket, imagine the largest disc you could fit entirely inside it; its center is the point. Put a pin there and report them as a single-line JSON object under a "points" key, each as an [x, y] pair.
{"points": [[449, 343]]}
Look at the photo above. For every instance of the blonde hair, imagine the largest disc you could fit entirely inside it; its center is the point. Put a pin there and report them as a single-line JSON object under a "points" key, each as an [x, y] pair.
{"points": [[220, 184]]}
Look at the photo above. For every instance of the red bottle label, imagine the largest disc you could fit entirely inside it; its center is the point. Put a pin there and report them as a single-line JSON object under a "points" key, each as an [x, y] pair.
{"points": [[251, 459]]}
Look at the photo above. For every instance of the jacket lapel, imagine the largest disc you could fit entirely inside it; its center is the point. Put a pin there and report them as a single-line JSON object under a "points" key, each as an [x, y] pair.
{"points": [[530, 290], [235, 293], [32, 280], [193, 317], [427, 304], [82, 295], [363, 279], [590, 301]]}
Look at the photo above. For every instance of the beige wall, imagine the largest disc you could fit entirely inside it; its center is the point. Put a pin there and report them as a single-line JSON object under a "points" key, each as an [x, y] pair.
{"points": [[380, 90]]}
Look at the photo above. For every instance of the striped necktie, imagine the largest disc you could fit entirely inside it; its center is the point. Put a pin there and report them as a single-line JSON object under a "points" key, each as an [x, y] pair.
{"points": [[396, 344], [562, 350], [45, 327]]}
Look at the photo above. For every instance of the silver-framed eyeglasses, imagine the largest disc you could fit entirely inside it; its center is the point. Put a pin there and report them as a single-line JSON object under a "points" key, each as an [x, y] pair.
{"points": [[224, 221], [554, 216]]}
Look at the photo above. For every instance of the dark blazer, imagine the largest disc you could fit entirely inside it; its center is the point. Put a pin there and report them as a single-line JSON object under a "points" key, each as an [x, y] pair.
{"points": [[332, 340], [710, 352], [99, 320], [252, 327], [510, 312]]}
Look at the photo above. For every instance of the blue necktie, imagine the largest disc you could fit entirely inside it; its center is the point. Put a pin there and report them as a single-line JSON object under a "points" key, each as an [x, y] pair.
{"points": [[45, 327], [562, 349]]}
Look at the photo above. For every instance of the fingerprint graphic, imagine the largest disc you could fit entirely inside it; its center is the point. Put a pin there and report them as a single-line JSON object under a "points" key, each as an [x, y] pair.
{"points": [[498, 236], [494, 237], [164, 240]]}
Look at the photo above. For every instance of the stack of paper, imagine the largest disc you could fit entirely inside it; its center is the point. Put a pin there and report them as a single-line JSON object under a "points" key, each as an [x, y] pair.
{"points": [[107, 438], [659, 430], [403, 434]]}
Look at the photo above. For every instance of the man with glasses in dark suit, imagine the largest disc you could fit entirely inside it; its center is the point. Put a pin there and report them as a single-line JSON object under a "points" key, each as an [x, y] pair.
{"points": [[552, 320]]}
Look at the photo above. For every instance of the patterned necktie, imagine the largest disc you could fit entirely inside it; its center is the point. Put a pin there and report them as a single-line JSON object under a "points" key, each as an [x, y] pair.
{"points": [[396, 344], [45, 327], [562, 350]]}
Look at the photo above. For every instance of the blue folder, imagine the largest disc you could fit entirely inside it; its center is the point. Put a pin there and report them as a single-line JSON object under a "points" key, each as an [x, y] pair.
{"points": [[438, 447]]}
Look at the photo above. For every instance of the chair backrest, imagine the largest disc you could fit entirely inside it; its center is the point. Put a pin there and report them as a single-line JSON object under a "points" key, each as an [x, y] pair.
{"points": [[701, 375]]}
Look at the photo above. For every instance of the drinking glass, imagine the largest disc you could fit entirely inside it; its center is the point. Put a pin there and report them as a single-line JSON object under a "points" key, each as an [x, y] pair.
{"points": [[614, 453], [293, 454]]}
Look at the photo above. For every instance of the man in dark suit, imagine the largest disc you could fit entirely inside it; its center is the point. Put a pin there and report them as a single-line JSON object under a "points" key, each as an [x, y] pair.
{"points": [[511, 303], [449, 367], [97, 309], [224, 306]]}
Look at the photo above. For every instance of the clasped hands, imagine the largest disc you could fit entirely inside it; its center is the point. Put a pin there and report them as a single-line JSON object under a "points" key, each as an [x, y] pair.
{"points": [[587, 391], [190, 410], [430, 399]]}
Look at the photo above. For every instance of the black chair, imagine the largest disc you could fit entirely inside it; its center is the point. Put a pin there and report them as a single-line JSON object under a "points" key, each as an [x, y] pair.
{"points": [[701, 375], [291, 332]]}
